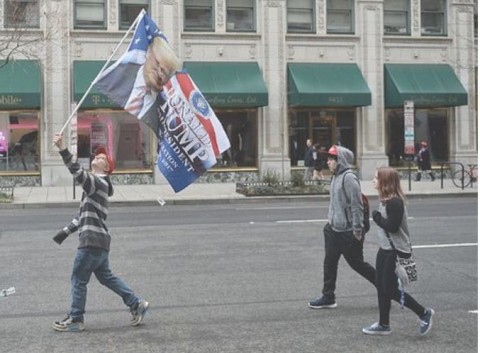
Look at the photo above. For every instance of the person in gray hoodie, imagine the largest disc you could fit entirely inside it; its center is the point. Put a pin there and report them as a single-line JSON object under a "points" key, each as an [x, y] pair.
{"points": [[344, 233]]}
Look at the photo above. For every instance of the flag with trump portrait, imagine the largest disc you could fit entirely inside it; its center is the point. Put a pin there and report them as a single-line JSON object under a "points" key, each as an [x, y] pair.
{"points": [[148, 82]]}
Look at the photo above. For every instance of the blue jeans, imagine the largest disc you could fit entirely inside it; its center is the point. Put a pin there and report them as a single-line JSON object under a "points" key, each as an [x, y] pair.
{"points": [[88, 261]]}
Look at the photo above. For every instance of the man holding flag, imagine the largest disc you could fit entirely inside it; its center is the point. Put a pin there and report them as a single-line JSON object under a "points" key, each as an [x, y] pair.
{"points": [[92, 255], [147, 83]]}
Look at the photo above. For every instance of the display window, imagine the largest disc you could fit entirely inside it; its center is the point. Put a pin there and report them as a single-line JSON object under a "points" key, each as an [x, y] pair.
{"points": [[431, 125], [19, 143], [242, 131], [323, 127], [123, 135]]}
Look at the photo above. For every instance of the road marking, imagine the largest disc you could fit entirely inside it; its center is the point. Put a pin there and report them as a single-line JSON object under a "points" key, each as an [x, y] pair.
{"points": [[304, 221], [443, 245], [473, 311], [415, 246], [280, 208], [313, 220]]}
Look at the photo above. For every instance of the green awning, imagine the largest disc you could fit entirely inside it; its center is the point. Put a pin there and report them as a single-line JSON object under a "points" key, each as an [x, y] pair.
{"points": [[20, 86], [427, 85], [327, 85], [229, 84], [84, 72]]}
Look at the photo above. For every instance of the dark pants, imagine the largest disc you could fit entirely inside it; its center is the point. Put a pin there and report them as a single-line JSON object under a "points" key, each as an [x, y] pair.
{"points": [[387, 287], [342, 243]]}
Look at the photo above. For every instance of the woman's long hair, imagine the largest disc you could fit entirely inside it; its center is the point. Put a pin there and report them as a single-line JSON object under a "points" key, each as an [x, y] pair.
{"points": [[389, 183]]}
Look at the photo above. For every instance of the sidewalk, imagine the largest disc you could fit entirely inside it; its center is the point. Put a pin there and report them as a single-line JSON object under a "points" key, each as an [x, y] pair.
{"points": [[200, 193]]}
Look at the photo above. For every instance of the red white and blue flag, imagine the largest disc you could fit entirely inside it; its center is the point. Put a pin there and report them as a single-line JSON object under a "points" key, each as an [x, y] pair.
{"points": [[190, 136]]}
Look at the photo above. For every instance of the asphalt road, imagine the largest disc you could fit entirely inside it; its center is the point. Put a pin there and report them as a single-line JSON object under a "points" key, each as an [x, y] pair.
{"points": [[235, 278]]}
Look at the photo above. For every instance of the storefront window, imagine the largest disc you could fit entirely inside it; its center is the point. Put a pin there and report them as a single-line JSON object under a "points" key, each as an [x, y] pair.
{"points": [[325, 127], [431, 125], [119, 132], [19, 143], [241, 129]]}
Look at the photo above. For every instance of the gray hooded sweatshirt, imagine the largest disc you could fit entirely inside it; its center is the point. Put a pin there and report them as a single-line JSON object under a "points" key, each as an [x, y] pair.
{"points": [[345, 212]]}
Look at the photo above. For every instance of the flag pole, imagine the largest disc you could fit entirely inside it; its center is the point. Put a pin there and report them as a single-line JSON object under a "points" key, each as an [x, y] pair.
{"points": [[101, 71]]}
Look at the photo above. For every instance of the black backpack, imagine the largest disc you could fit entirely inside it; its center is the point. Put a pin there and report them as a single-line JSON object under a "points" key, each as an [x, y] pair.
{"points": [[365, 203]]}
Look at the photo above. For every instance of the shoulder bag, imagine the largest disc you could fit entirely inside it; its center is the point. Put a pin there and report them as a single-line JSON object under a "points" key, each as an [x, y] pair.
{"points": [[405, 269]]}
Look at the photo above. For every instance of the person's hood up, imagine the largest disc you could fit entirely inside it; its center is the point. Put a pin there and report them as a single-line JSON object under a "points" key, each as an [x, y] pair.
{"points": [[344, 159]]}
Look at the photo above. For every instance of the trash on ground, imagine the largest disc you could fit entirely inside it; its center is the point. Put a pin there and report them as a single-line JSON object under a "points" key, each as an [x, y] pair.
{"points": [[7, 292]]}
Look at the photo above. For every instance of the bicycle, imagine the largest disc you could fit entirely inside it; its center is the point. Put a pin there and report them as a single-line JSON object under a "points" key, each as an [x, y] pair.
{"points": [[465, 177]]}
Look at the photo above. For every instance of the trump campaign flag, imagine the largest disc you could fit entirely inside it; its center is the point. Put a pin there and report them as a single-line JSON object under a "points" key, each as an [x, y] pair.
{"points": [[147, 81]]}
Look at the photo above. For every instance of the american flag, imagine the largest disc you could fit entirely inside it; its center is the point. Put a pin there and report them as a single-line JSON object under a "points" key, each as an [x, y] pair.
{"points": [[190, 136]]}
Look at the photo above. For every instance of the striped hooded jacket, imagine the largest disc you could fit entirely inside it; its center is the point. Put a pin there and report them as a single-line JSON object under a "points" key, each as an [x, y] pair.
{"points": [[90, 221]]}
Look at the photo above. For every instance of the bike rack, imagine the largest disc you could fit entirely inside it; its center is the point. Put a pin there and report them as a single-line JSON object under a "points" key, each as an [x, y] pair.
{"points": [[441, 173]]}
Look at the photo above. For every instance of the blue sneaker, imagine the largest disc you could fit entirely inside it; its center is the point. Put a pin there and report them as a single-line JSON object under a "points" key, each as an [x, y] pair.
{"points": [[377, 329], [138, 313], [68, 325], [322, 303], [425, 322]]}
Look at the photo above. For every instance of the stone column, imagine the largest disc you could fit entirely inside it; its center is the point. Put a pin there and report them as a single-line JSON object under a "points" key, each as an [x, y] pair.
{"points": [[272, 120], [167, 16], [463, 132], [56, 89], [371, 119]]}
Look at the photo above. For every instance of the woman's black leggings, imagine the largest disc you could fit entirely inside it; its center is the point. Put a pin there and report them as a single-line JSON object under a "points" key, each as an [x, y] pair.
{"points": [[387, 287]]}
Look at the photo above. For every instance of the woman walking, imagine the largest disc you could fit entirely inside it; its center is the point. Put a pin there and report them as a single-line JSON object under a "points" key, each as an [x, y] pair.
{"points": [[391, 219], [423, 162]]}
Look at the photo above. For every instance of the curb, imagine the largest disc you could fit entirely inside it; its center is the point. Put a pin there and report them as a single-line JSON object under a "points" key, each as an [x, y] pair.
{"points": [[217, 201]]}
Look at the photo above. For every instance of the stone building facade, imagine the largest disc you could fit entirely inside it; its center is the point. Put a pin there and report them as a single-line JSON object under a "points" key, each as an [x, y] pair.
{"points": [[266, 68]]}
